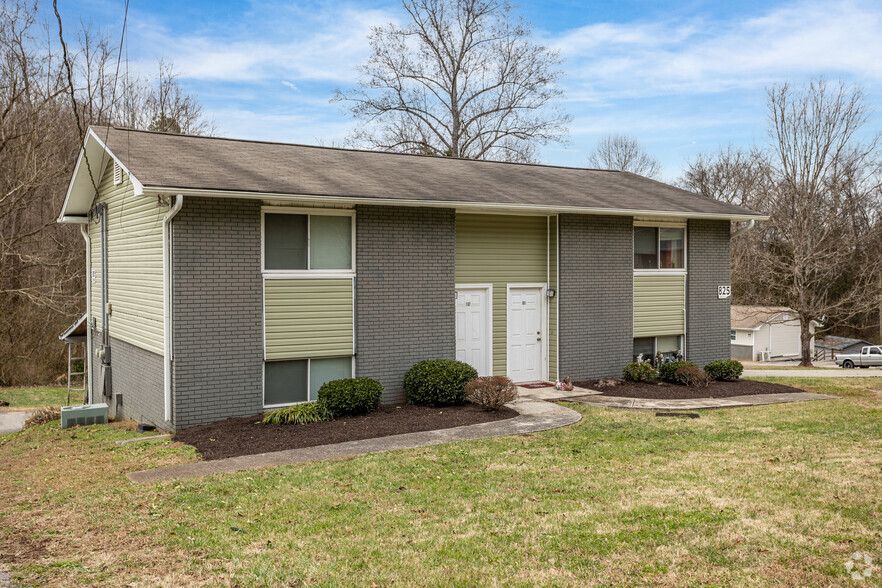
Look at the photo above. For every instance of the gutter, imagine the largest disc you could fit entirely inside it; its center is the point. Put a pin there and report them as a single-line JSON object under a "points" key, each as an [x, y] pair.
{"points": [[742, 230], [166, 303], [464, 206], [84, 229]]}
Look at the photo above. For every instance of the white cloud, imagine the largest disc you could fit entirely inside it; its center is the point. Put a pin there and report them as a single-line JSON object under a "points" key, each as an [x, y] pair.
{"points": [[290, 85], [802, 39]]}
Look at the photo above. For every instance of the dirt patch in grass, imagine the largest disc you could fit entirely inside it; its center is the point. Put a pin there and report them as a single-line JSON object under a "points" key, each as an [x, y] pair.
{"points": [[243, 436], [665, 391]]}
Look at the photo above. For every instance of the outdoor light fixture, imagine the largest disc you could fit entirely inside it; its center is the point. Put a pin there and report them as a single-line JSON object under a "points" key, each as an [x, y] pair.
{"points": [[550, 293]]}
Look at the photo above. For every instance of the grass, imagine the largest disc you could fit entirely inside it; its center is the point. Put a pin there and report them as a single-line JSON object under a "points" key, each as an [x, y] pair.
{"points": [[772, 495], [37, 397]]}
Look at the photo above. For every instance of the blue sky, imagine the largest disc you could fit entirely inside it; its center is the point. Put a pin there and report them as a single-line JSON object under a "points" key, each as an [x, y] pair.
{"points": [[684, 77]]}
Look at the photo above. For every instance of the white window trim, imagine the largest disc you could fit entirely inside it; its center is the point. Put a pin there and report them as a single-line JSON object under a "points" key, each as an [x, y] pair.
{"points": [[308, 212], [308, 361], [661, 271], [681, 342]]}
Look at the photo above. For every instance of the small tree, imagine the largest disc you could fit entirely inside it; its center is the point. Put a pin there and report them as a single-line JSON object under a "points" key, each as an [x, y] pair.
{"points": [[460, 79], [624, 153]]}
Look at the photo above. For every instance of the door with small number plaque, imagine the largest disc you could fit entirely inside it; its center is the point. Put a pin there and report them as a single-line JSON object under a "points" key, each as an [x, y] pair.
{"points": [[525, 334], [473, 328]]}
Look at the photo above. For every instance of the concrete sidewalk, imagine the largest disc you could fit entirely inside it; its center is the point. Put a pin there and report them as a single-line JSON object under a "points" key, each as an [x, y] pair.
{"points": [[696, 403], [535, 415], [13, 421], [839, 373]]}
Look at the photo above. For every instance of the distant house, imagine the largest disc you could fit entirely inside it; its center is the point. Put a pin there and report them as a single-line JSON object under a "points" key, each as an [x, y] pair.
{"points": [[766, 333], [829, 346]]}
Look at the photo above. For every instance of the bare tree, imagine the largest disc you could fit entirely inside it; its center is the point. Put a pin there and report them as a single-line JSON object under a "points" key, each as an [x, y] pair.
{"points": [[43, 112], [171, 109], [460, 79], [821, 251], [624, 153]]}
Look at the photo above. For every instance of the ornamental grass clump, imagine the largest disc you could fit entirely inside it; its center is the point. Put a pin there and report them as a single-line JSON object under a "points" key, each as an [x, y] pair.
{"points": [[41, 416], [639, 372], [727, 370], [491, 392], [298, 414], [668, 371], [438, 382]]}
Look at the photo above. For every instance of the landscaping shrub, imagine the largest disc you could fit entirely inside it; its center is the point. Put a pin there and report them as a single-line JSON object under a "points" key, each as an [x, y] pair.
{"points": [[438, 382], [41, 416], [351, 396], [724, 369], [298, 414], [694, 376], [639, 372], [490, 393], [668, 371]]}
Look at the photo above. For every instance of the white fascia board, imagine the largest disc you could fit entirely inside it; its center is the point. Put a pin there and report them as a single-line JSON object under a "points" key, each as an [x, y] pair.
{"points": [[463, 206], [81, 190]]}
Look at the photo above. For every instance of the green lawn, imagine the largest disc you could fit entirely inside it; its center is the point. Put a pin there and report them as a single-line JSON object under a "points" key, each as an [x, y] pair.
{"points": [[773, 495], [24, 398]]}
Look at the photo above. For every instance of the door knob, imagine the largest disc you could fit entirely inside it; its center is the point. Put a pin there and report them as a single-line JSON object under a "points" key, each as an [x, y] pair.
{"points": [[538, 338]]}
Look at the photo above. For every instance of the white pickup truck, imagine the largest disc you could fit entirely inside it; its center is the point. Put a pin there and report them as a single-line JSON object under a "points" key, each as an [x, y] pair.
{"points": [[869, 356]]}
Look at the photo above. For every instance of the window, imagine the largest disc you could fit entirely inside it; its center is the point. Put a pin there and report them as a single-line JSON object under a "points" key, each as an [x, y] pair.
{"points": [[659, 248], [875, 351], [647, 348], [298, 380], [307, 242], [732, 335]]}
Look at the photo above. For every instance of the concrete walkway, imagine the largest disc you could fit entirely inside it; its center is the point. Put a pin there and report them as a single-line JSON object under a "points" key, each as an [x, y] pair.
{"points": [[13, 421], [696, 403], [536, 414], [839, 373]]}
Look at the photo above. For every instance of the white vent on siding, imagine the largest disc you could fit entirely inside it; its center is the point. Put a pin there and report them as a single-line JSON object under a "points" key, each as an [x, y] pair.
{"points": [[117, 173]]}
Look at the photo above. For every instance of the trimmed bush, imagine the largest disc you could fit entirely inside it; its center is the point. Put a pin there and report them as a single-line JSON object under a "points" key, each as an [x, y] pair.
{"points": [[727, 370], [694, 376], [668, 371], [298, 414], [639, 372], [351, 396], [491, 392], [438, 382]]}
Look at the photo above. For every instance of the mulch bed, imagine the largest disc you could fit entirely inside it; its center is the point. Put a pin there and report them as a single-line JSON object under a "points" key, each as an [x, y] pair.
{"points": [[242, 436], [665, 391]]}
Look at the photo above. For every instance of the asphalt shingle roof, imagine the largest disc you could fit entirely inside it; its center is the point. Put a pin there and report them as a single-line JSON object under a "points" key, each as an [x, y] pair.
{"points": [[208, 163]]}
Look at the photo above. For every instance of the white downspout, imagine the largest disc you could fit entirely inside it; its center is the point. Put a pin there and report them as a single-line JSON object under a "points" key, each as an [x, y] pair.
{"points": [[166, 303], [743, 230], [84, 229]]}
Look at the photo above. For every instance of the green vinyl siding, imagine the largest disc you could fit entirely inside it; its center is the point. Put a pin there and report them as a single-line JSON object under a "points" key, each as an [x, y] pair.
{"points": [[134, 263], [501, 250], [308, 317], [659, 303]]}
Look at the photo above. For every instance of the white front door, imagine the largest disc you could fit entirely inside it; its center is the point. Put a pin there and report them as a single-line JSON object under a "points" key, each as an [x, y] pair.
{"points": [[525, 334], [472, 328]]}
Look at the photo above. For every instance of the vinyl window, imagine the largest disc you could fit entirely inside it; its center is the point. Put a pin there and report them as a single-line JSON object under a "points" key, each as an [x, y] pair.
{"points": [[296, 242], [659, 248], [667, 345], [298, 380]]}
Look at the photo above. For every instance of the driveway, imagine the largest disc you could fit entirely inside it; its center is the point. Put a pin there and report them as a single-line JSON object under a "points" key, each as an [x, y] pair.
{"points": [[840, 373], [12, 422]]}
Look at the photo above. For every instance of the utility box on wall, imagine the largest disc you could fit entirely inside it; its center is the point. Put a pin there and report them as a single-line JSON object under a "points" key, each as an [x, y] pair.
{"points": [[88, 414]]}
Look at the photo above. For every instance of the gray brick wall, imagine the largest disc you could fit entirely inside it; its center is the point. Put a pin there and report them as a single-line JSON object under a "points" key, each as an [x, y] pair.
{"points": [[405, 290], [137, 377], [596, 295], [707, 317], [217, 311]]}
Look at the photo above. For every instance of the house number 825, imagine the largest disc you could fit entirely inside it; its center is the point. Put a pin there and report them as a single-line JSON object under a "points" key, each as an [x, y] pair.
{"points": [[724, 291]]}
